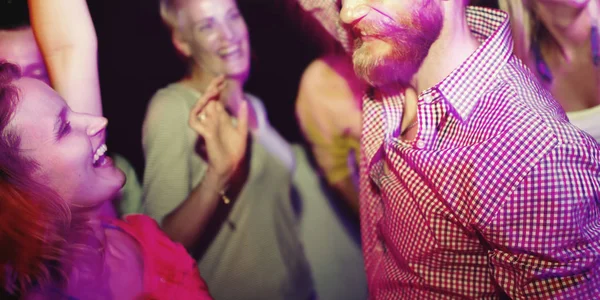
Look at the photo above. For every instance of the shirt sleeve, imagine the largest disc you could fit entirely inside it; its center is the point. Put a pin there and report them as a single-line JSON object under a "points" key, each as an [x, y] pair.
{"points": [[166, 145], [545, 240]]}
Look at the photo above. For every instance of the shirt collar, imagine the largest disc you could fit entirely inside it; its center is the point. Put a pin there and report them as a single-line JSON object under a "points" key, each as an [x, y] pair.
{"points": [[465, 85]]}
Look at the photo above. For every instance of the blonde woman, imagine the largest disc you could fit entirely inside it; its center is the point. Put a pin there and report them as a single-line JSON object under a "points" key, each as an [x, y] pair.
{"points": [[559, 42], [238, 221]]}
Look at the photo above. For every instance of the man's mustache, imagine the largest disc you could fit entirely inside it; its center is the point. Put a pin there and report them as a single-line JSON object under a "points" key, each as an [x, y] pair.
{"points": [[381, 30]]}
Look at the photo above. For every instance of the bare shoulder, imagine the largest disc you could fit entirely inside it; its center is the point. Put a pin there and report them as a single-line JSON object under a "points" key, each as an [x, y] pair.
{"points": [[323, 84], [120, 274], [125, 264], [319, 74], [329, 95], [317, 68]]}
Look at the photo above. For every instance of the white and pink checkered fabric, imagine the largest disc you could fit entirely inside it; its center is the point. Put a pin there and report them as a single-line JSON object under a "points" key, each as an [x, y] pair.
{"points": [[498, 194]]}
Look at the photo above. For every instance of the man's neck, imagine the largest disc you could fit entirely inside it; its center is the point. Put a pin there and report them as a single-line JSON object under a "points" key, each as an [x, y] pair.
{"points": [[454, 45]]}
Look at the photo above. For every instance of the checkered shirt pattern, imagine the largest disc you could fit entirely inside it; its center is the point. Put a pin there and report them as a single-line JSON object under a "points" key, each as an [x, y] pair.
{"points": [[497, 195]]}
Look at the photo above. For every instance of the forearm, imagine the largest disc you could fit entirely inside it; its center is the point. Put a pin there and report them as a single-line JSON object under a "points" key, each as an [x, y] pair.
{"points": [[65, 34], [187, 222], [337, 172], [348, 191]]}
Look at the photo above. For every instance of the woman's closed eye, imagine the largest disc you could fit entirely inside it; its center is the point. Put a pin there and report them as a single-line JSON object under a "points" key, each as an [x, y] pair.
{"points": [[65, 128], [62, 127], [205, 25]]}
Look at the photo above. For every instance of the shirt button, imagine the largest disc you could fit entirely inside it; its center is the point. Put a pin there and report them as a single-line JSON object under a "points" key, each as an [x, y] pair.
{"points": [[420, 144], [428, 98]]}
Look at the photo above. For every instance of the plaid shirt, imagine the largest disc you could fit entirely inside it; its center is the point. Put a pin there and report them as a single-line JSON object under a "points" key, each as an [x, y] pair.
{"points": [[497, 194]]}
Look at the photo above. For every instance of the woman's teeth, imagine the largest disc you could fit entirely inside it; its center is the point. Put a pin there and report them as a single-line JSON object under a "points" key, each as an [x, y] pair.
{"points": [[229, 50], [99, 153]]}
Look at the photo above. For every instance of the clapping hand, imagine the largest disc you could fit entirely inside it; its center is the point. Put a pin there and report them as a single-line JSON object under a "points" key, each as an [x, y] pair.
{"points": [[225, 141]]}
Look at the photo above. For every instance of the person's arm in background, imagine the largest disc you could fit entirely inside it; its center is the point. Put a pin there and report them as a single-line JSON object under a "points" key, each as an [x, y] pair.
{"points": [[65, 34], [347, 188], [318, 129]]}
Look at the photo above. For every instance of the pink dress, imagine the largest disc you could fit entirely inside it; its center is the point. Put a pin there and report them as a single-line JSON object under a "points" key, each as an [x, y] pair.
{"points": [[169, 271]]}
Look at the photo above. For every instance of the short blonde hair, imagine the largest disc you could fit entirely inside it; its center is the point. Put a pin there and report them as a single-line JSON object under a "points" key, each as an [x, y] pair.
{"points": [[523, 25], [169, 12]]}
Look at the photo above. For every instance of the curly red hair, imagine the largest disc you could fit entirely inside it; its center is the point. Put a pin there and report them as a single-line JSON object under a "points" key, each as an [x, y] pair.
{"points": [[33, 220]]}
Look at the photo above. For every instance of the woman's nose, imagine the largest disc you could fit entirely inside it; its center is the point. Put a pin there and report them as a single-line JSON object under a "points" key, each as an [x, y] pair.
{"points": [[96, 124]]}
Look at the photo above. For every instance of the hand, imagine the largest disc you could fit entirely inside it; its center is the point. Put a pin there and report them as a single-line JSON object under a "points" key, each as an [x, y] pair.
{"points": [[225, 142]]}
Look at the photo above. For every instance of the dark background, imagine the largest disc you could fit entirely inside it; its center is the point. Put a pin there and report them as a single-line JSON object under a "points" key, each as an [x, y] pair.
{"points": [[136, 59]]}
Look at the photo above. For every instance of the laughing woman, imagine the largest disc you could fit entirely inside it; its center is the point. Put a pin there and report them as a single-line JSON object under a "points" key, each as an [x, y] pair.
{"points": [[239, 221], [55, 180]]}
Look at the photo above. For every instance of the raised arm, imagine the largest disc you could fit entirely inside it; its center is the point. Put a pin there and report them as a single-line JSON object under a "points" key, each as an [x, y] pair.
{"points": [[330, 149], [65, 34]]}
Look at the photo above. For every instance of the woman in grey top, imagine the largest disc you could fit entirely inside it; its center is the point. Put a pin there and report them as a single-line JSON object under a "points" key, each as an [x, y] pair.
{"points": [[218, 186]]}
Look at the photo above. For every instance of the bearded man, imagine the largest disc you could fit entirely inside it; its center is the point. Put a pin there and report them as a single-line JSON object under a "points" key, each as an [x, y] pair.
{"points": [[473, 183]]}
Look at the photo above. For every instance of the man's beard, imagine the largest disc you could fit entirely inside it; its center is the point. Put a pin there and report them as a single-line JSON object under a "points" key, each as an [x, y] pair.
{"points": [[410, 38]]}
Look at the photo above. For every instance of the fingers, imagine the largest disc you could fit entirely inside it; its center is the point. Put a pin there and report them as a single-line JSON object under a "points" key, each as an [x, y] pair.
{"points": [[198, 113], [213, 119], [205, 123], [242, 119], [201, 128], [212, 92]]}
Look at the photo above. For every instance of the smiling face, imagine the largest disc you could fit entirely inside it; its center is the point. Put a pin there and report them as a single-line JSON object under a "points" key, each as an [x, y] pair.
{"points": [[19, 47], [393, 37], [66, 146], [213, 34]]}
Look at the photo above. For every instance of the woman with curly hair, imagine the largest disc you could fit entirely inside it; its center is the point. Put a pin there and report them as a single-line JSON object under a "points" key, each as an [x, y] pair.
{"points": [[55, 178]]}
